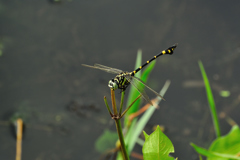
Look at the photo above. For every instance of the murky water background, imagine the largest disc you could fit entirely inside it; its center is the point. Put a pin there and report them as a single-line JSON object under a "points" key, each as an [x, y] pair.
{"points": [[43, 45]]}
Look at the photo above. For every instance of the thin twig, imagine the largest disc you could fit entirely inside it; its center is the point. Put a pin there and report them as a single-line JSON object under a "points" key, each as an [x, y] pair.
{"points": [[130, 106], [108, 108]]}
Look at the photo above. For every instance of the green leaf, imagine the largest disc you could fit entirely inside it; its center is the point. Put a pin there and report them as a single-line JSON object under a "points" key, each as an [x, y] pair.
{"points": [[133, 93], [214, 155], [147, 71], [145, 118], [210, 100], [203, 151], [130, 139], [145, 135], [106, 141], [223, 148], [157, 146], [144, 78], [228, 144]]}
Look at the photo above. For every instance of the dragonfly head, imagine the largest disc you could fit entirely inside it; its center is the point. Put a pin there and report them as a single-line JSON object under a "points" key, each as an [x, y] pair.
{"points": [[112, 84]]}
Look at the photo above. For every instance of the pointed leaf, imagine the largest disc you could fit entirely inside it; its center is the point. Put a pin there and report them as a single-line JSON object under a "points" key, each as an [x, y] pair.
{"points": [[228, 144], [145, 135], [210, 100], [223, 148], [214, 155], [157, 146]]}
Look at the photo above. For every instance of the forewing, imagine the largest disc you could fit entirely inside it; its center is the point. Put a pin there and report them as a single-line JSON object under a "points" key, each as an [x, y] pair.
{"points": [[110, 68], [104, 68]]}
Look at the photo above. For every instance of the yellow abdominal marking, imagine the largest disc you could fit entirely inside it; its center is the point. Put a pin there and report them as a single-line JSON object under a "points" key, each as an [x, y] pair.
{"points": [[163, 52], [147, 61]]}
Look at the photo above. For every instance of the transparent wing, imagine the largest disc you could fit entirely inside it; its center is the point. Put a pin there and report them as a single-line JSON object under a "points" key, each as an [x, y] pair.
{"points": [[104, 68], [140, 81], [138, 87], [113, 69]]}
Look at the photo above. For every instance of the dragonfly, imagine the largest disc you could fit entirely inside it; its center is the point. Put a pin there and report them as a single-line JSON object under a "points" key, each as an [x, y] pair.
{"points": [[123, 78]]}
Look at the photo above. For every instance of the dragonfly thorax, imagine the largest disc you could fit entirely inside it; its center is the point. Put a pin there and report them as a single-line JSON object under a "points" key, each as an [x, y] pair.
{"points": [[119, 82]]}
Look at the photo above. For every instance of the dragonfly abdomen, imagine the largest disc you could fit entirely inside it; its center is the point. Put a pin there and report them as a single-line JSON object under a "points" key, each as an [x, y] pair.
{"points": [[167, 51]]}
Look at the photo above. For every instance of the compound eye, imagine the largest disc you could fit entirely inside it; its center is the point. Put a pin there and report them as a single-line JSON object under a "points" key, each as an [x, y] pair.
{"points": [[112, 84]]}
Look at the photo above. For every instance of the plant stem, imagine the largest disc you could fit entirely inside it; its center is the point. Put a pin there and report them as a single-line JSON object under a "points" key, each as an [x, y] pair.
{"points": [[120, 135], [121, 104], [19, 124], [108, 108], [118, 126], [113, 102], [130, 106]]}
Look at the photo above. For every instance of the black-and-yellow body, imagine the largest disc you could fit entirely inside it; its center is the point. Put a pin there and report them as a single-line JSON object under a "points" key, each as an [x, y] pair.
{"points": [[123, 79], [167, 51], [121, 82]]}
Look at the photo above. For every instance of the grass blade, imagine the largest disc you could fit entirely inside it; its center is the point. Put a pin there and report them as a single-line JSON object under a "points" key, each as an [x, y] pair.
{"points": [[210, 100], [145, 118]]}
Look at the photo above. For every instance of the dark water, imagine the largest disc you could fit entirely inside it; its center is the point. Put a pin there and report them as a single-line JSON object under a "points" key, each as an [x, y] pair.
{"points": [[43, 45]]}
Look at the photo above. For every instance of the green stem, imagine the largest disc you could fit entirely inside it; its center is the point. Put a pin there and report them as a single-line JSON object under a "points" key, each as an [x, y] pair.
{"points": [[120, 135], [121, 104], [118, 126], [108, 108]]}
